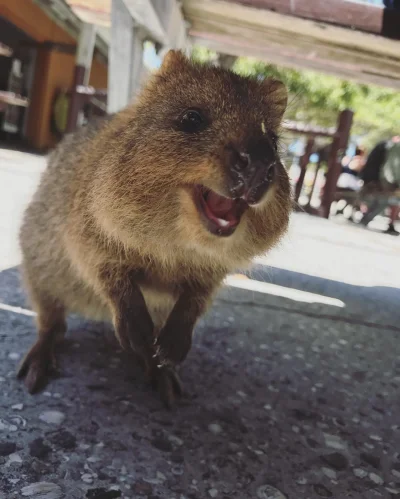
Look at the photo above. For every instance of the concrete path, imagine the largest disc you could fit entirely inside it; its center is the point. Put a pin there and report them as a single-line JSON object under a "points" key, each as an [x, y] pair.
{"points": [[293, 381]]}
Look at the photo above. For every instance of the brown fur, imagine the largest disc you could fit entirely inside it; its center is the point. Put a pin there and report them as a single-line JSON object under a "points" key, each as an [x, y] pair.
{"points": [[113, 224]]}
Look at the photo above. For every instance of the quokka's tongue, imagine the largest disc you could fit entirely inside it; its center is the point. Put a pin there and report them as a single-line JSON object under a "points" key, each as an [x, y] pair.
{"points": [[222, 208]]}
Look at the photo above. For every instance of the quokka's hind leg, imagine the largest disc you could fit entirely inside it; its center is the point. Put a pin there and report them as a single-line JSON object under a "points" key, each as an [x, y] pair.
{"points": [[39, 363]]}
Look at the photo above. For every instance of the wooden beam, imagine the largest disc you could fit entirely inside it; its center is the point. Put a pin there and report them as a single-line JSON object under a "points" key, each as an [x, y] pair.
{"points": [[288, 57], [290, 41], [310, 130], [12, 99], [347, 13], [146, 18], [63, 15]]}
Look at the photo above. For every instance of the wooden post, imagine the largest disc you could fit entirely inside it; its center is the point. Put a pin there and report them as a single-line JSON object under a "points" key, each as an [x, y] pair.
{"points": [[304, 160], [317, 168], [338, 147], [84, 58]]}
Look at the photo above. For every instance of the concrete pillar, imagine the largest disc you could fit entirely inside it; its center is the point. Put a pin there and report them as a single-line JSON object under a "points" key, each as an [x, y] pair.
{"points": [[84, 57], [125, 60]]}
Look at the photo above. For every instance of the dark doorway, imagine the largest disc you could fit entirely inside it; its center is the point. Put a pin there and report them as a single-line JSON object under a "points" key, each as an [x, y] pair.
{"points": [[16, 75]]}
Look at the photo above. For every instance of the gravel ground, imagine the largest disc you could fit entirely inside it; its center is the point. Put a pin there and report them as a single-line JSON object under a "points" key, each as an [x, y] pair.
{"points": [[289, 395]]}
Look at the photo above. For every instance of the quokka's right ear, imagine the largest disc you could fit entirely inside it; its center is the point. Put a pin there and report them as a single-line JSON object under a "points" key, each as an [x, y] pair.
{"points": [[173, 59]]}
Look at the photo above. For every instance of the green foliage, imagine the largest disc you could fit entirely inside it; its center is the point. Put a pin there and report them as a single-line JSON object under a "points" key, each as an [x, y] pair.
{"points": [[317, 98]]}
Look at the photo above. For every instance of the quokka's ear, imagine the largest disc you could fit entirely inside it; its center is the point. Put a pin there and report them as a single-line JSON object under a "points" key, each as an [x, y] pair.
{"points": [[173, 59]]}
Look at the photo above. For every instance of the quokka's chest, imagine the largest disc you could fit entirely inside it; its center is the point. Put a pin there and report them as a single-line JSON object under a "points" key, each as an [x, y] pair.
{"points": [[159, 304]]}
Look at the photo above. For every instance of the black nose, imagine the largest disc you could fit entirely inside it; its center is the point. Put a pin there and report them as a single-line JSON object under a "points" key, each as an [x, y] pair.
{"points": [[250, 175]]}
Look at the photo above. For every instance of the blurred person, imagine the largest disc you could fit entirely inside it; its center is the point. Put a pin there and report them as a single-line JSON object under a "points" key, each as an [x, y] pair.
{"points": [[349, 180], [351, 168], [382, 172]]}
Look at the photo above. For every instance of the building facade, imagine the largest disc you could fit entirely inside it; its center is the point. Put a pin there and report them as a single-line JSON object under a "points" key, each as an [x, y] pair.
{"points": [[37, 62]]}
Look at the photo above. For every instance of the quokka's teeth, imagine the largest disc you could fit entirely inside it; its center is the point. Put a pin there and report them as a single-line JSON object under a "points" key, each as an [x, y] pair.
{"points": [[222, 222]]}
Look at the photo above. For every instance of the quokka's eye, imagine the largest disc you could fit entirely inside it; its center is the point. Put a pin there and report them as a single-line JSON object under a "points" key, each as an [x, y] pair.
{"points": [[192, 121]]}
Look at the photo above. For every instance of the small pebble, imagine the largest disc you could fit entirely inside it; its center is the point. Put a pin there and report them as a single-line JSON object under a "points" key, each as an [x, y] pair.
{"points": [[375, 478], [329, 473], [87, 478], [393, 491], [14, 356], [175, 440], [213, 492], [215, 428], [52, 417], [17, 407], [360, 473], [4, 426], [396, 473], [45, 490], [268, 492], [177, 470], [302, 481], [334, 442], [376, 438], [14, 458], [2, 379]]}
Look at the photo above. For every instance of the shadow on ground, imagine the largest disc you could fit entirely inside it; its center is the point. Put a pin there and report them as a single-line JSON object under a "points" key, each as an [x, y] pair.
{"points": [[306, 404], [376, 303]]}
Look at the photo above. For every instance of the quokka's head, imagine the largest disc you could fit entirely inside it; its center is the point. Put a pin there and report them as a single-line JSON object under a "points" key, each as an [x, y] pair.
{"points": [[198, 161]]}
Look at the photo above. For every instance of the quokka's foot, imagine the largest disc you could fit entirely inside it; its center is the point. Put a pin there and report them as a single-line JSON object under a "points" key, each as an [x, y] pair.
{"points": [[37, 367]]}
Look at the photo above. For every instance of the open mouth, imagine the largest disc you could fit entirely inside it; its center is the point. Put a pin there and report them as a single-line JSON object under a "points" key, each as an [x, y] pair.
{"points": [[220, 215]]}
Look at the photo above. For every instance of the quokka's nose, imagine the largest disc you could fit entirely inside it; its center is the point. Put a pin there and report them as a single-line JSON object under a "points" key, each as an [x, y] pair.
{"points": [[250, 175]]}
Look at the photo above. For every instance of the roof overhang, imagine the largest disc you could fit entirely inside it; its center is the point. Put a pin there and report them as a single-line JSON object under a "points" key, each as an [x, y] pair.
{"points": [[62, 14], [281, 38]]}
